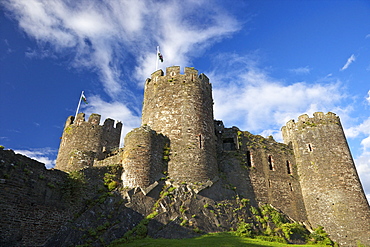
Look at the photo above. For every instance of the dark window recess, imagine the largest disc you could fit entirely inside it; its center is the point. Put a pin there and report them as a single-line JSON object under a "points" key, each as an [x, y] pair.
{"points": [[288, 167], [200, 141], [309, 146], [229, 144], [269, 183], [290, 186], [271, 163], [249, 160]]}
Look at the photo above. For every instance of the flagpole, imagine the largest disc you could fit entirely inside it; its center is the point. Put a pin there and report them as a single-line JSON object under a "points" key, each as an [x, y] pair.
{"points": [[79, 103], [156, 61]]}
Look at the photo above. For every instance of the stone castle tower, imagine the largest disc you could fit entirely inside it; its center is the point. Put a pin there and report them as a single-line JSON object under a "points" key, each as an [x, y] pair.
{"points": [[143, 159], [82, 141], [331, 188], [180, 106]]}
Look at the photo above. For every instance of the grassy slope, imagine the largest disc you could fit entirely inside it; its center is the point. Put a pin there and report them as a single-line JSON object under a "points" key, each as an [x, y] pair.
{"points": [[213, 239]]}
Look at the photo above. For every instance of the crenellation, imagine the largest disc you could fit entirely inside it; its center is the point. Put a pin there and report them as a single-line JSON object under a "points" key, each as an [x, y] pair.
{"points": [[94, 119], [80, 119], [69, 121]]}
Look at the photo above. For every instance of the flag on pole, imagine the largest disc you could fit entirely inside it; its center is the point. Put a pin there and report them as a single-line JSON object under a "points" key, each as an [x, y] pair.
{"points": [[84, 98], [160, 57]]}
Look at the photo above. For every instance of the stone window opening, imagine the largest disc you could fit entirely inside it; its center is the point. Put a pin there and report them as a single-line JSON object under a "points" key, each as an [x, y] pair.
{"points": [[290, 186], [288, 167], [249, 159], [173, 73], [200, 140], [271, 163], [269, 183], [309, 146], [229, 144]]}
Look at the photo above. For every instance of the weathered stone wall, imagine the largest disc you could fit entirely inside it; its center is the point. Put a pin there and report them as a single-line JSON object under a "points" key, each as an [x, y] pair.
{"points": [[37, 204], [144, 159], [83, 141], [260, 169], [331, 189], [34, 202], [180, 106]]}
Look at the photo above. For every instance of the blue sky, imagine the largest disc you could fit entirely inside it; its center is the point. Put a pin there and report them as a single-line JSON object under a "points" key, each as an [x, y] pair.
{"points": [[268, 61]]}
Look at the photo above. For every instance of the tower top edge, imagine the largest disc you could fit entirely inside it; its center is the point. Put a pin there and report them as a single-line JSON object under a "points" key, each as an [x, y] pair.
{"points": [[174, 71], [94, 119], [318, 118]]}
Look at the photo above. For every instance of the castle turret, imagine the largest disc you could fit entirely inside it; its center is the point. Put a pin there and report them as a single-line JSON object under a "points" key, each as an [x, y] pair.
{"points": [[82, 141], [180, 106], [145, 157], [331, 188]]}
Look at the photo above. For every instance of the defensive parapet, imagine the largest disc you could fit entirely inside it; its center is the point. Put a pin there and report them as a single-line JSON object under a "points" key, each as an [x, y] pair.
{"points": [[180, 106], [82, 141], [331, 188]]}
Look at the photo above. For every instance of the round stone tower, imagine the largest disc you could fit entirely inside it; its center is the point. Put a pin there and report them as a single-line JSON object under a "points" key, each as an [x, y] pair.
{"points": [[144, 160], [82, 141], [332, 192], [180, 106]]}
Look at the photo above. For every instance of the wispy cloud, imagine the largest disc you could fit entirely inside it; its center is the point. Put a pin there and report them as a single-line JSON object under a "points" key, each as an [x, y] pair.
{"points": [[43, 155], [368, 97], [102, 34], [350, 60], [301, 70]]}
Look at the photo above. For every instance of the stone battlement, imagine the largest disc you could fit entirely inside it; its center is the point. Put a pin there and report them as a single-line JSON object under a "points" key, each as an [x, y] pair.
{"points": [[318, 118], [94, 119], [173, 73]]}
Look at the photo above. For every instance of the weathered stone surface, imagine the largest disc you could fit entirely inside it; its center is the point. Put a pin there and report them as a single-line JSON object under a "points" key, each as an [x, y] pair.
{"points": [[82, 142]]}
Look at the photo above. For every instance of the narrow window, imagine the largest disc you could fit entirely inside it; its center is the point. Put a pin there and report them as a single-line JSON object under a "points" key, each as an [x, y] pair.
{"points": [[271, 163], [200, 141], [249, 160], [269, 183], [290, 186], [288, 167], [309, 146]]}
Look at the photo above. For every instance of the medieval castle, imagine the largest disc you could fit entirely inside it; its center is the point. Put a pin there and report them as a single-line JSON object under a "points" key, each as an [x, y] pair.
{"points": [[311, 177]]}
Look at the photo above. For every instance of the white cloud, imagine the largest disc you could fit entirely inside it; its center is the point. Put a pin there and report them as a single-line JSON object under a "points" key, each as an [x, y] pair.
{"points": [[350, 60], [363, 169], [248, 98], [102, 34], [368, 97], [363, 128], [42, 155], [301, 70], [116, 111]]}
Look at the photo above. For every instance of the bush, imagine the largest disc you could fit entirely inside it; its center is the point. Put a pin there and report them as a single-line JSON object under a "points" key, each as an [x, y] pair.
{"points": [[319, 236], [293, 228], [244, 229]]}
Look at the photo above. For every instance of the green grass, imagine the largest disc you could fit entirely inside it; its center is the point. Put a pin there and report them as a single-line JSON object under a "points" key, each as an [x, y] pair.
{"points": [[224, 239]]}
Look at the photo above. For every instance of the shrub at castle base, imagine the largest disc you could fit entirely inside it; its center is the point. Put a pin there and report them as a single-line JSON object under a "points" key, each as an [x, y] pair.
{"points": [[182, 173]]}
